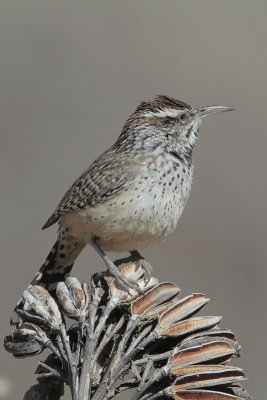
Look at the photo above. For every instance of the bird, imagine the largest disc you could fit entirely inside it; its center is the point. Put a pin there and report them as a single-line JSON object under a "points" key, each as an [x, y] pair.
{"points": [[133, 195]]}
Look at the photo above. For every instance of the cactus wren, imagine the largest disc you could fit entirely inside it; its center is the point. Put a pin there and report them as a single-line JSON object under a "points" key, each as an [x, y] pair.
{"points": [[133, 195]]}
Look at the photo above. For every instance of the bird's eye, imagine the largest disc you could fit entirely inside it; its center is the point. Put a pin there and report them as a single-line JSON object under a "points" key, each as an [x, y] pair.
{"points": [[183, 118]]}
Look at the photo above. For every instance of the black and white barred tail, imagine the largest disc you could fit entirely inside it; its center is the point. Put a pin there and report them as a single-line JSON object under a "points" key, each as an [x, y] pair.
{"points": [[59, 262], [56, 267]]}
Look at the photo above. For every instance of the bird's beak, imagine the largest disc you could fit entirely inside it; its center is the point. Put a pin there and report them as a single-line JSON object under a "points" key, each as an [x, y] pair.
{"points": [[205, 111]]}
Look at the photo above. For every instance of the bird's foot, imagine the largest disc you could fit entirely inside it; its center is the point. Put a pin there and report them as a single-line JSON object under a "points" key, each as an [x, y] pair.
{"points": [[122, 282], [144, 264]]}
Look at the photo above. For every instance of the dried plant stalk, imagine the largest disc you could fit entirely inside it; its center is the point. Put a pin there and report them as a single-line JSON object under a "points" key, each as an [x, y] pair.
{"points": [[103, 341]]}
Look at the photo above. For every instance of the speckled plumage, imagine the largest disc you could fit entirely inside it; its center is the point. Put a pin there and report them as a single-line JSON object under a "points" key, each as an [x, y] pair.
{"points": [[145, 211], [133, 195]]}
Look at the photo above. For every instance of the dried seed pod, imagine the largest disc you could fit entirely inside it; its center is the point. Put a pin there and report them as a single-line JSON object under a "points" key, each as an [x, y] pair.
{"points": [[152, 342], [134, 272], [200, 368], [205, 382], [189, 326], [40, 306], [155, 301], [23, 343], [202, 395], [207, 337], [208, 377], [73, 297], [214, 332], [40, 334], [216, 351], [181, 309]]}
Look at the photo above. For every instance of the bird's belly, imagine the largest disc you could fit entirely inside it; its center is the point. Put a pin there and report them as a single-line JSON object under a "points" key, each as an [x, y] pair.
{"points": [[133, 219]]}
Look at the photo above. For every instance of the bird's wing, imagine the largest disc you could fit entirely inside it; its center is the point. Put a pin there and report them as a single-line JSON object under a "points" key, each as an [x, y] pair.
{"points": [[107, 176]]}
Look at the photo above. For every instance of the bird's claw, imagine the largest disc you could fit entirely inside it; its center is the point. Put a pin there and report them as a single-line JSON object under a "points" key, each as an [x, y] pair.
{"points": [[146, 266], [126, 284]]}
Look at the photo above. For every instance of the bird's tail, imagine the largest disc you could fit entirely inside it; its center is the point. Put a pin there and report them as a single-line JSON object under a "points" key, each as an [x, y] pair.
{"points": [[58, 263], [56, 267]]}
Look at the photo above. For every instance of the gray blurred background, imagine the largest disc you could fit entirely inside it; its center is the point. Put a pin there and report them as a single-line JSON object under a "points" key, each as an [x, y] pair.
{"points": [[70, 74]]}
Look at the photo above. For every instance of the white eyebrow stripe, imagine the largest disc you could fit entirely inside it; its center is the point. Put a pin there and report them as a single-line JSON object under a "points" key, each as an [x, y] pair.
{"points": [[168, 112]]}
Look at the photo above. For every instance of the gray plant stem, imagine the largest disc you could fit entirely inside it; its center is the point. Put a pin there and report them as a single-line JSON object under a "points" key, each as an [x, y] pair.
{"points": [[156, 357], [131, 383], [54, 372], [71, 363], [108, 336], [159, 375], [93, 349], [100, 393], [145, 374], [78, 350], [130, 356], [53, 348], [155, 396], [86, 373], [106, 313], [61, 350], [131, 326], [139, 338]]}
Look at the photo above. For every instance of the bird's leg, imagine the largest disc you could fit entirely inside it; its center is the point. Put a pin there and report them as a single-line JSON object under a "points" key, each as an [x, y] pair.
{"points": [[121, 280], [136, 256], [143, 263]]}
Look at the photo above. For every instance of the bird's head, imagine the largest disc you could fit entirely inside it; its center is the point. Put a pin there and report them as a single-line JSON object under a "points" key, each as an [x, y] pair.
{"points": [[165, 124]]}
